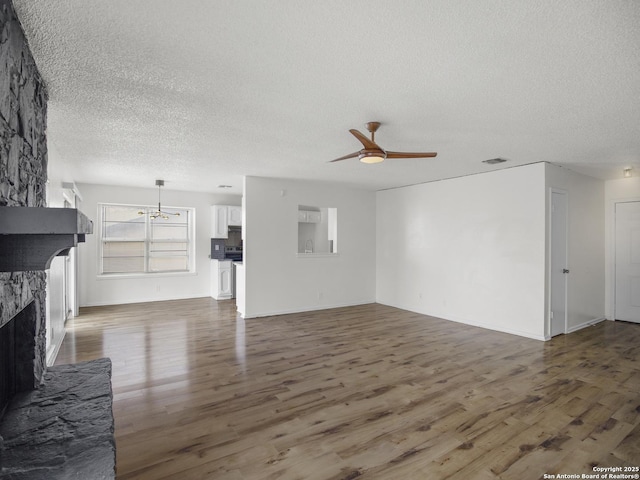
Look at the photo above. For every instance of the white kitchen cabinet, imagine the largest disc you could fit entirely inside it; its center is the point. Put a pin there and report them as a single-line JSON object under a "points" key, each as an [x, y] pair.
{"points": [[313, 217], [221, 279], [309, 216], [223, 216], [235, 216], [219, 221]]}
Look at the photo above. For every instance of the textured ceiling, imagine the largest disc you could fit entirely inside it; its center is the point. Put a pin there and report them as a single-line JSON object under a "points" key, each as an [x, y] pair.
{"points": [[201, 93]]}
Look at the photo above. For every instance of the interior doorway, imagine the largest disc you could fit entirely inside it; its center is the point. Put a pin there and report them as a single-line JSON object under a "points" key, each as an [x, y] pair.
{"points": [[558, 245], [66, 280], [627, 261]]}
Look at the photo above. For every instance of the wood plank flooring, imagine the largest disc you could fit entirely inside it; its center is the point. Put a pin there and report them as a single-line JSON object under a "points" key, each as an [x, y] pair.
{"points": [[368, 392]]}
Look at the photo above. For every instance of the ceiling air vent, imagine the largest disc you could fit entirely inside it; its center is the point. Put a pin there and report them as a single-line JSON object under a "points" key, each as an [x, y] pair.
{"points": [[493, 161]]}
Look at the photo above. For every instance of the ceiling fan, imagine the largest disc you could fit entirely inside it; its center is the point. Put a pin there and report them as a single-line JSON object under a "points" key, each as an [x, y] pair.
{"points": [[372, 153]]}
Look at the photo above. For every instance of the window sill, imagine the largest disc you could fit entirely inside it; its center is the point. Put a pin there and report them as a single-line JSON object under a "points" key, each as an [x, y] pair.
{"points": [[120, 276], [317, 255]]}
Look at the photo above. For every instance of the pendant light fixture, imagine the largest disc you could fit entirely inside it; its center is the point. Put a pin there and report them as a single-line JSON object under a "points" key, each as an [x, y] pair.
{"points": [[159, 212]]}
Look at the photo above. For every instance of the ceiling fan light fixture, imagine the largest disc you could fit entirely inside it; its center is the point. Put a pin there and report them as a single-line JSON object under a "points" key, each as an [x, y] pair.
{"points": [[372, 157], [373, 153]]}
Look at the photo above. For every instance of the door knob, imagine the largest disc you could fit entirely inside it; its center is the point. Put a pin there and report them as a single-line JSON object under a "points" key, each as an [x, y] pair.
{"points": [[565, 270]]}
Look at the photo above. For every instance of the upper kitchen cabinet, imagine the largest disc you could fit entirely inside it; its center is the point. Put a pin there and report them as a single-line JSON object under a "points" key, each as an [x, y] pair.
{"points": [[219, 221], [309, 216], [235, 216], [222, 217]]}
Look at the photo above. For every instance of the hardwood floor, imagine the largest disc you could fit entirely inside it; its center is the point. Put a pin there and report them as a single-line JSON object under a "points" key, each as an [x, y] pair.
{"points": [[367, 392]]}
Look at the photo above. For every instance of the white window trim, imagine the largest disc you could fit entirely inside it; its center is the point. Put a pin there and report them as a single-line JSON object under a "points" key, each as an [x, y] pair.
{"points": [[192, 244]]}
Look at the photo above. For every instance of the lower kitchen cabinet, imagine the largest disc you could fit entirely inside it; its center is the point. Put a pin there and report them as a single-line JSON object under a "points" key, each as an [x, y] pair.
{"points": [[221, 279]]}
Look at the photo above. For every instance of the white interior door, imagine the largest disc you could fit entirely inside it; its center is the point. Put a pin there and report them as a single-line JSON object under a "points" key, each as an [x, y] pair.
{"points": [[627, 263], [559, 267]]}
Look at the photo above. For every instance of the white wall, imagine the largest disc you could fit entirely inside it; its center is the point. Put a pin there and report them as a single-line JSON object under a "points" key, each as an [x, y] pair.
{"points": [[106, 290], [58, 172], [586, 246], [277, 279], [469, 249], [623, 189]]}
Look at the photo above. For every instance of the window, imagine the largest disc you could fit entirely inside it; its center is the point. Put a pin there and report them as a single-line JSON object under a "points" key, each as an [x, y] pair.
{"points": [[134, 243]]}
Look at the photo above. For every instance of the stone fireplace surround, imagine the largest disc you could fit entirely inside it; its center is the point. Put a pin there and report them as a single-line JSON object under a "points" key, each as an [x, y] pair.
{"points": [[59, 423]]}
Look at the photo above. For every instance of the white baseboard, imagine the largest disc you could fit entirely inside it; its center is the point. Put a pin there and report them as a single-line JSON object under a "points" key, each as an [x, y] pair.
{"points": [[304, 309], [465, 321], [52, 352], [586, 324], [141, 300], [510, 331]]}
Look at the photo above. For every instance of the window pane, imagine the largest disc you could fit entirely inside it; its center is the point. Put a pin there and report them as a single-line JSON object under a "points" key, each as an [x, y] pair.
{"points": [[132, 230], [123, 249], [180, 248], [168, 264], [123, 213], [123, 265], [169, 232]]}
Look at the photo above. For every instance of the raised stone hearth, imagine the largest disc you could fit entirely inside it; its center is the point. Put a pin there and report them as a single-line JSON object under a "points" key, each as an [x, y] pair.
{"points": [[63, 430]]}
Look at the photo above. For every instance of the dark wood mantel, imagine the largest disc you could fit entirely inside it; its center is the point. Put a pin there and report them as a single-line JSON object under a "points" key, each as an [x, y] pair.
{"points": [[31, 236]]}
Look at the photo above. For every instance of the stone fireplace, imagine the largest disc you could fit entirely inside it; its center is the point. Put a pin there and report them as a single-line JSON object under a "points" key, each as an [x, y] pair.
{"points": [[55, 423], [23, 175]]}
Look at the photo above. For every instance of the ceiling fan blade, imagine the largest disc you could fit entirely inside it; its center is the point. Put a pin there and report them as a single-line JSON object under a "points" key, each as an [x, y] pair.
{"points": [[410, 154], [368, 143], [346, 157]]}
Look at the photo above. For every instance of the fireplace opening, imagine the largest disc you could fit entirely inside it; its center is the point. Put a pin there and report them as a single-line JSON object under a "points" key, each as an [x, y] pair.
{"points": [[7, 365], [17, 354]]}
